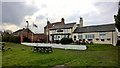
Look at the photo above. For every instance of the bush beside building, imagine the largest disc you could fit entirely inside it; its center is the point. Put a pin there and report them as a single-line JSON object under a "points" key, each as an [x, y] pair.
{"points": [[66, 40]]}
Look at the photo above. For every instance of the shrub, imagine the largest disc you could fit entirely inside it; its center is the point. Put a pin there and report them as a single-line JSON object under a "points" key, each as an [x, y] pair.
{"points": [[10, 38], [118, 43], [66, 40]]}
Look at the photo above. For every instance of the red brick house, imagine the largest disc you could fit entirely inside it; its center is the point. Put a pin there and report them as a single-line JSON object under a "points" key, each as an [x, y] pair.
{"points": [[23, 33], [27, 33], [41, 37]]}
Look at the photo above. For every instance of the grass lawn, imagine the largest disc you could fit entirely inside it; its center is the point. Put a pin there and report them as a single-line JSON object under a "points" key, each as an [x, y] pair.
{"points": [[95, 55]]}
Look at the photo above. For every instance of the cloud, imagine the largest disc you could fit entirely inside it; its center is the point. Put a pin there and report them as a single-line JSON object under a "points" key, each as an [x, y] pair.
{"points": [[93, 12], [0, 12], [14, 12], [9, 26], [104, 15], [0, 16]]}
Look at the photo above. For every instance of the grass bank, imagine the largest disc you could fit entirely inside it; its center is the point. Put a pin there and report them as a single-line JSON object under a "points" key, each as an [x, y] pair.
{"points": [[96, 55]]}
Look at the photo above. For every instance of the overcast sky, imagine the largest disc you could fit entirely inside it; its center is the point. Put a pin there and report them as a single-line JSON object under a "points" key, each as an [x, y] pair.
{"points": [[14, 13]]}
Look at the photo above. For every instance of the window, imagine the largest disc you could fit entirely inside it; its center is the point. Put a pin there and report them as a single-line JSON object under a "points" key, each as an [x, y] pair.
{"points": [[53, 31], [89, 36], [65, 30], [66, 36], [59, 30], [55, 37], [102, 36], [80, 36]]}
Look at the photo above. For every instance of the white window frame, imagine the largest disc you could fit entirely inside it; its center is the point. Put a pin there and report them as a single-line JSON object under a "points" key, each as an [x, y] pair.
{"points": [[80, 36], [102, 35], [65, 30], [89, 36]]}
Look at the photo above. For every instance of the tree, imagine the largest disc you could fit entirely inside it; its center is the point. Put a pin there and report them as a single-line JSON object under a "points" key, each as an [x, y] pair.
{"points": [[117, 18], [7, 36]]}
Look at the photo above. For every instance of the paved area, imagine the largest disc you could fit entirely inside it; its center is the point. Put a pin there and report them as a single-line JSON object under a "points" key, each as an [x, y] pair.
{"points": [[75, 47]]}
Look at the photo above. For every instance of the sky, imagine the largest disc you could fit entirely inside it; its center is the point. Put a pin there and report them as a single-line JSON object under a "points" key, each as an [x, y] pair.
{"points": [[14, 13]]}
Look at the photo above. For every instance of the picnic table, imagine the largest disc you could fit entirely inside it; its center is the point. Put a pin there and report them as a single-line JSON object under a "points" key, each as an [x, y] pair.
{"points": [[42, 48]]}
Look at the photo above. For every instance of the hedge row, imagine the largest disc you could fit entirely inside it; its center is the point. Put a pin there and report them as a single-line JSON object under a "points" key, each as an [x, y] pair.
{"points": [[10, 38]]}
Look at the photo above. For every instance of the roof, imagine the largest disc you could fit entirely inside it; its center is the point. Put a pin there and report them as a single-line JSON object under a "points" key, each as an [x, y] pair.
{"points": [[39, 34], [56, 23], [62, 34], [96, 28], [65, 26], [23, 30], [52, 24]]}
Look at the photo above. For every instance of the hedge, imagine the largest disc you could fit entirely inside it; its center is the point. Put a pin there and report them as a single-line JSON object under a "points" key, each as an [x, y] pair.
{"points": [[10, 38]]}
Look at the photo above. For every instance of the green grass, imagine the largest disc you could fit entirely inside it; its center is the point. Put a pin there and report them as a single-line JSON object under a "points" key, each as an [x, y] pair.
{"points": [[0, 59], [95, 55]]}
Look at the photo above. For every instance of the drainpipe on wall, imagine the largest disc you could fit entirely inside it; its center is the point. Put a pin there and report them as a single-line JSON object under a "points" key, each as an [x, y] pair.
{"points": [[112, 37], [47, 34]]}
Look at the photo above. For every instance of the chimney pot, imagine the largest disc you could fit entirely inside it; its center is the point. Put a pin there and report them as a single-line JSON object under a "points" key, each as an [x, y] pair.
{"points": [[81, 22], [62, 20]]}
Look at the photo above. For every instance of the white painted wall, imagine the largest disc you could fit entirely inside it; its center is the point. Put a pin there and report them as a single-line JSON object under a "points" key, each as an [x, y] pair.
{"points": [[109, 35], [115, 38], [65, 31], [118, 33]]}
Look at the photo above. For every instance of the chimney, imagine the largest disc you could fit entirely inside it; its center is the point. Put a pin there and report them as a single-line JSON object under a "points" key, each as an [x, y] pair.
{"points": [[63, 20], [81, 22], [48, 22]]}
